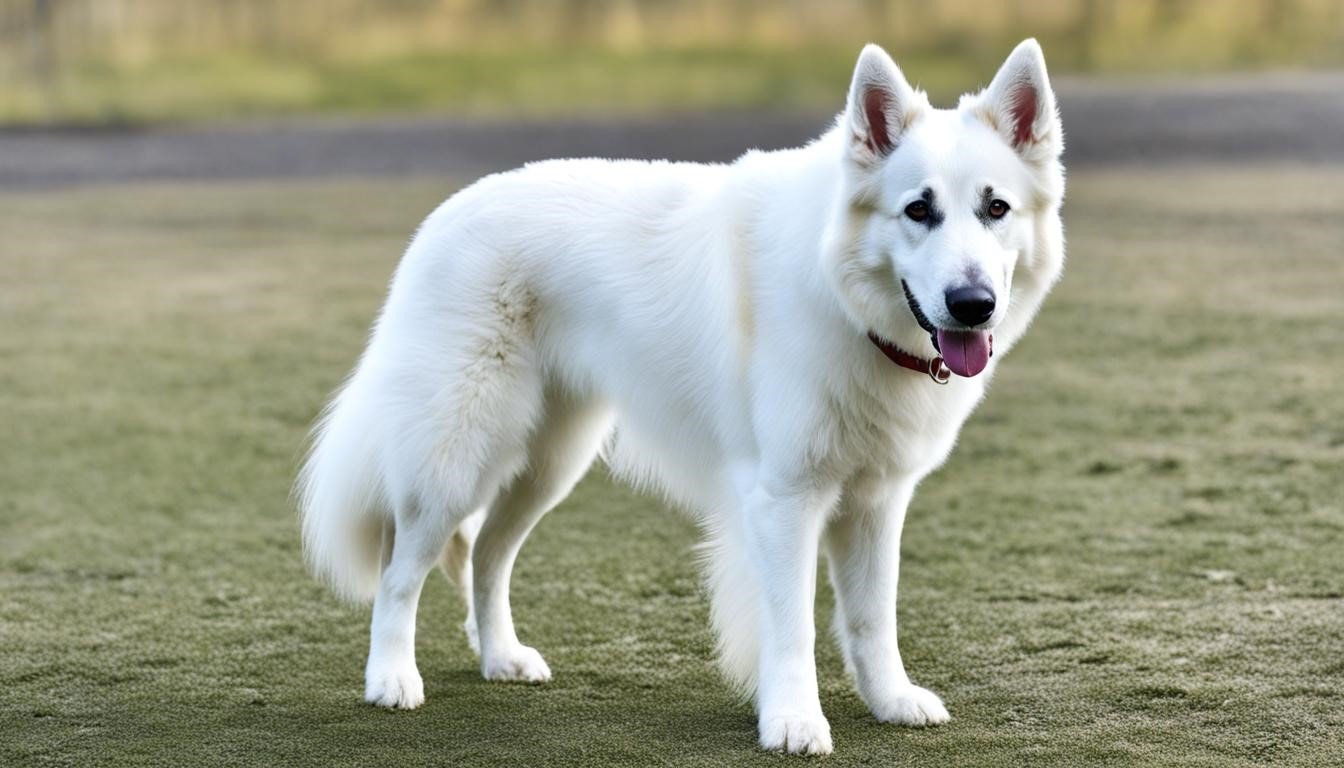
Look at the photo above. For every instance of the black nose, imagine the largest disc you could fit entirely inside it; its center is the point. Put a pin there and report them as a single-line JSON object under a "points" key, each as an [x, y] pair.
{"points": [[972, 305]]}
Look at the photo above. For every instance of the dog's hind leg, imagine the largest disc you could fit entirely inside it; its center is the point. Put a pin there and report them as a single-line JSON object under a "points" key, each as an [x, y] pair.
{"points": [[456, 564], [559, 452], [452, 368], [390, 677]]}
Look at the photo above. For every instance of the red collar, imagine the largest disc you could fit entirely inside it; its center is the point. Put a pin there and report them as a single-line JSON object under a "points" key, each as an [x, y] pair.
{"points": [[935, 368]]}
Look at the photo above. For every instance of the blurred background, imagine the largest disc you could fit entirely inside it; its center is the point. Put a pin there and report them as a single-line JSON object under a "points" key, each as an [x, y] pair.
{"points": [[1132, 558], [98, 61]]}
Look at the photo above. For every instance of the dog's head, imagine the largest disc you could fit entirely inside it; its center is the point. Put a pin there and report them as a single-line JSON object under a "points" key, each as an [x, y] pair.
{"points": [[940, 208]]}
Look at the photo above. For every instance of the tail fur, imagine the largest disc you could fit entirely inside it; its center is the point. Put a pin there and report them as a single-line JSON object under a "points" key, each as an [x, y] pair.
{"points": [[341, 498]]}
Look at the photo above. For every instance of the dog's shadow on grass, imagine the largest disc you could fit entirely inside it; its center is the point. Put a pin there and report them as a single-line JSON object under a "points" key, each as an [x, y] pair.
{"points": [[596, 716]]}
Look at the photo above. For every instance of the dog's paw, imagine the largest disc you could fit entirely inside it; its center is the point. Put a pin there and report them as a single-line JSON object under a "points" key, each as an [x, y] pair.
{"points": [[394, 686], [911, 705], [796, 734], [520, 664]]}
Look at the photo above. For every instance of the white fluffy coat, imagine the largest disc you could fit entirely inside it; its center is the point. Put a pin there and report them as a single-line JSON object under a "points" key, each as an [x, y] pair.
{"points": [[704, 329]]}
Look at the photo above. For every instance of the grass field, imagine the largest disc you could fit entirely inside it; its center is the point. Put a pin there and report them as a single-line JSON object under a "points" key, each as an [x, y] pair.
{"points": [[546, 82], [1133, 558], [148, 61]]}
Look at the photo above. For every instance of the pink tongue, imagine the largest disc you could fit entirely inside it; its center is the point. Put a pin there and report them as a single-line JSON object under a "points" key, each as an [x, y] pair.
{"points": [[966, 353]]}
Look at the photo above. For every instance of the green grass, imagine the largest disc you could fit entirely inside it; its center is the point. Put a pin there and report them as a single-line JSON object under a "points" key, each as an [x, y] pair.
{"points": [[1131, 560]]}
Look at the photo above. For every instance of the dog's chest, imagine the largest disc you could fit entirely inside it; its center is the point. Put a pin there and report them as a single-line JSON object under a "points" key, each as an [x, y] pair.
{"points": [[909, 429]]}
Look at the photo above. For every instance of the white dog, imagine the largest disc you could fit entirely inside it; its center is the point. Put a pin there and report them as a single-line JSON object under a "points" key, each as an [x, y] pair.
{"points": [[785, 346]]}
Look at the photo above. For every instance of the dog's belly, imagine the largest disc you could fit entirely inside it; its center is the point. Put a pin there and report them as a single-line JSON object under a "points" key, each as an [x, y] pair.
{"points": [[677, 393]]}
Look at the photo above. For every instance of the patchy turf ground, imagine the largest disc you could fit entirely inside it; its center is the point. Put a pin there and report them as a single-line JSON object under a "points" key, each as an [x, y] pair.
{"points": [[1133, 558]]}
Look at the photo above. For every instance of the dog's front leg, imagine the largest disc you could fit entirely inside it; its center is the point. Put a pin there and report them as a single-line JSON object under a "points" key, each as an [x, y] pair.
{"points": [[863, 547], [784, 528]]}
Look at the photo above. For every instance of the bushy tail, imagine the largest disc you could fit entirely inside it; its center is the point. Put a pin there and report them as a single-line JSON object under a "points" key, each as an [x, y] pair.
{"points": [[341, 498], [734, 607]]}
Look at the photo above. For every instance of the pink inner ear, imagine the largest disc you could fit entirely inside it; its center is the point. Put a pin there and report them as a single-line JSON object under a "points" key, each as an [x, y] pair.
{"points": [[1022, 106], [875, 101]]}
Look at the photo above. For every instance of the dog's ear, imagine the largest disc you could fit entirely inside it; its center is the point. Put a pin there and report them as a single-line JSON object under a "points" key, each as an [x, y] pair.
{"points": [[881, 106], [1020, 105]]}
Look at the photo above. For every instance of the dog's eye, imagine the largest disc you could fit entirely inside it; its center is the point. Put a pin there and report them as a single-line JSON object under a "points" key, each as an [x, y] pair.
{"points": [[917, 211], [998, 209]]}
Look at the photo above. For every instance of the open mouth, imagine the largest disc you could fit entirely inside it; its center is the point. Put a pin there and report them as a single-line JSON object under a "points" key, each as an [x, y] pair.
{"points": [[964, 352]]}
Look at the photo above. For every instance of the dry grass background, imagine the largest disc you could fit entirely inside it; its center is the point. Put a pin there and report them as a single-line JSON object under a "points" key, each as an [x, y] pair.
{"points": [[1132, 559], [95, 61]]}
